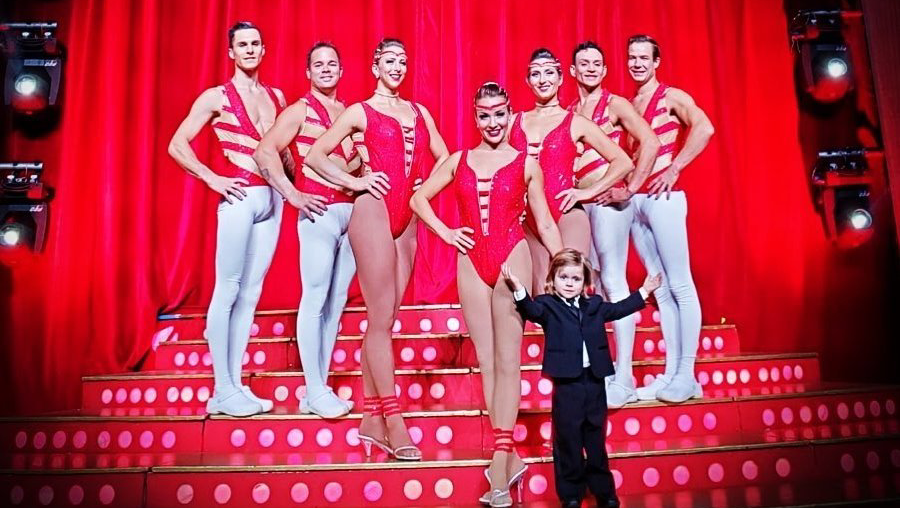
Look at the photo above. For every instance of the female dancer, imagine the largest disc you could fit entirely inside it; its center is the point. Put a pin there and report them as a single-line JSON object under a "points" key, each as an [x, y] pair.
{"points": [[550, 133], [491, 183], [396, 136]]}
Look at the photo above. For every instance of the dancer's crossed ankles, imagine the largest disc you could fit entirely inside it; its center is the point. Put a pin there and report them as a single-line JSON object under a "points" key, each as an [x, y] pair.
{"points": [[249, 213], [326, 261], [397, 136], [491, 183]]}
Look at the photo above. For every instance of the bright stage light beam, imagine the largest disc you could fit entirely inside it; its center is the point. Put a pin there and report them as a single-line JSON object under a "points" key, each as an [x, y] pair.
{"points": [[836, 67]]}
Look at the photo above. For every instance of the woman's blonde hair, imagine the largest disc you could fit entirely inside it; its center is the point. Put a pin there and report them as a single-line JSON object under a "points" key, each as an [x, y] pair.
{"points": [[568, 257]]}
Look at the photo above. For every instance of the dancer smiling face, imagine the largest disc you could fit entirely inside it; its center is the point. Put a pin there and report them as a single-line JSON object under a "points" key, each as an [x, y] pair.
{"points": [[390, 67], [549, 134], [491, 183]]}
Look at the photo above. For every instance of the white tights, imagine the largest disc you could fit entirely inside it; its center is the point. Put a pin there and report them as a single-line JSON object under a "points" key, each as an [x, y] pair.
{"points": [[660, 237], [326, 269], [246, 236]]}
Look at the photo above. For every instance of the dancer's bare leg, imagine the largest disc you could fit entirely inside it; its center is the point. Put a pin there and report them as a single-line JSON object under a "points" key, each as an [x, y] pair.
{"points": [[376, 263], [508, 327], [540, 262], [575, 229], [475, 298]]}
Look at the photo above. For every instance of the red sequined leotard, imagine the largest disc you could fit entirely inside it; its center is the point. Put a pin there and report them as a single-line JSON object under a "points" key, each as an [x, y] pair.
{"points": [[237, 134], [556, 156], [493, 207], [388, 145]]}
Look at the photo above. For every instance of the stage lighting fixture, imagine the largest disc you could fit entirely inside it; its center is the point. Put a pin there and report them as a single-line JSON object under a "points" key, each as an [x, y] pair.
{"points": [[843, 180], [34, 62], [24, 206], [824, 59], [860, 219]]}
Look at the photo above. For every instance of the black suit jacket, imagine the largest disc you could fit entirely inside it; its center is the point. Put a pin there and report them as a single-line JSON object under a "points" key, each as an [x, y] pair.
{"points": [[564, 334]]}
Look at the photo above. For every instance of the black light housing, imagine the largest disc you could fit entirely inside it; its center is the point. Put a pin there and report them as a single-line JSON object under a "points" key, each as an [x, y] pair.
{"points": [[24, 206], [34, 61], [824, 60]]}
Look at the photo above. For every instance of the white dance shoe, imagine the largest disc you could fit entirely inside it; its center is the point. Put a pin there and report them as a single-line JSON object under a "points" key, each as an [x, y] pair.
{"points": [[325, 404], [266, 404], [232, 403], [650, 391], [682, 388], [618, 394]]}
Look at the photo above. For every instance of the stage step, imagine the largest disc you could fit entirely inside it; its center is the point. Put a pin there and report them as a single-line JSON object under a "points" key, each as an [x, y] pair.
{"points": [[818, 413], [457, 386], [283, 323], [454, 477], [419, 351]]}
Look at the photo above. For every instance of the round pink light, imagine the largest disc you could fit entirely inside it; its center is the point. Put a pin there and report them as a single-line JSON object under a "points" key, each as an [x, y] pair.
{"points": [[76, 495], [768, 417], [658, 424], [17, 494], [407, 354], [731, 376], [709, 421], [184, 494], [222, 493], [414, 391], [609, 428], [187, 394], [266, 438], [437, 391], [717, 377], [45, 495], [774, 374], [651, 477], [524, 387], [545, 386], [412, 489], [847, 462], [875, 408], [333, 491], [520, 432], [750, 470], [193, 358], [681, 475], [706, 343], [135, 395], [207, 359], [339, 356], [533, 350], [648, 378], [299, 493], [168, 439], [859, 409], [453, 324], [415, 433], [661, 345], [324, 437], [443, 488], [372, 491], [146, 439], [59, 439], [716, 472], [106, 396], [425, 325], [125, 439], [805, 414], [429, 353], [648, 346], [890, 407], [787, 415], [745, 376], [363, 325], [719, 343], [632, 426], [763, 374], [281, 393], [259, 357], [397, 326], [843, 411], [537, 484], [798, 372], [655, 316], [179, 359], [260, 493], [685, 423], [150, 395], [702, 377], [345, 392], [872, 460], [21, 439], [79, 439], [172, 394], [121, 395], [39, 440], [783, 467], [300, 392], [295, 437], [352, 436], [103, 439], [278, 328], [444, 434], [238, 438], [546, 430], [617, 478], [822, 412]]}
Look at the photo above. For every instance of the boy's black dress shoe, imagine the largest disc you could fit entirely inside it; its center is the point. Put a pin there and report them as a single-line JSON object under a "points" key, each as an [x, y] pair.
{"points": [[608, 503], [571, 503]]}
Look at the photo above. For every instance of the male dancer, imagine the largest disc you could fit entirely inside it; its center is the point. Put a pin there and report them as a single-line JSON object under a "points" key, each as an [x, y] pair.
{"points": [[660, 227], [249, 214], [326, 260], [611, 218]]}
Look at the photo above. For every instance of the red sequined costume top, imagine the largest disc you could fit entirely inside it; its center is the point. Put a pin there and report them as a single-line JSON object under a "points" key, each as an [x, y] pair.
{"points": [[399, 152], [667, 130], [237, 134], [556, 156], [493, 207], [591, 166]]}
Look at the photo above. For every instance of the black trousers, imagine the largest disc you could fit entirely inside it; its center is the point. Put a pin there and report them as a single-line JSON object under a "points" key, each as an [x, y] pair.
{"points": [[579, 426]]}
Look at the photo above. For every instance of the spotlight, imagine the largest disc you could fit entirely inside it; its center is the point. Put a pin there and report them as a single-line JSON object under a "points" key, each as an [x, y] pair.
{"points": [[33, 66], [843, 180], [860, 219], [24, 206], [824, 60]]}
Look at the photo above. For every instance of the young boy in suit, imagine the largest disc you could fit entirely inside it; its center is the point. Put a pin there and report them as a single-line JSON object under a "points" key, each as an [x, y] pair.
{"points": [[577, 359]]}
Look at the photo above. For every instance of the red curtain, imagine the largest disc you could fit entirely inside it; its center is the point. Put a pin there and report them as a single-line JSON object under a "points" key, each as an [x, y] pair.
{"points": [[133, 235]]}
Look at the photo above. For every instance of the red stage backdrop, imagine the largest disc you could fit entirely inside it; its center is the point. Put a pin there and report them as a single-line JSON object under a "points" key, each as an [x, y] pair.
{"points": [[132, 235]]}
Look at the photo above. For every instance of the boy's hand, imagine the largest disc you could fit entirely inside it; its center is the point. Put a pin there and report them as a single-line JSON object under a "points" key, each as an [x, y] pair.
{"points": [[652, 282], [511, 280]]}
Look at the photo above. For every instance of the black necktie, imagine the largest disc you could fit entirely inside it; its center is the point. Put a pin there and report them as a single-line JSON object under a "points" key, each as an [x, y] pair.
{"points": [[574, 308]]}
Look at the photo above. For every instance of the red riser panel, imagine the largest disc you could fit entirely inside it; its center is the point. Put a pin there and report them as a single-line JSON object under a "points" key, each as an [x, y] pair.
{"points": [[431, 388], [859, 458], [191, 356], [103, 435], [410, 352], [114, 488], [187, 390], [282, 323], [296, 434]]}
